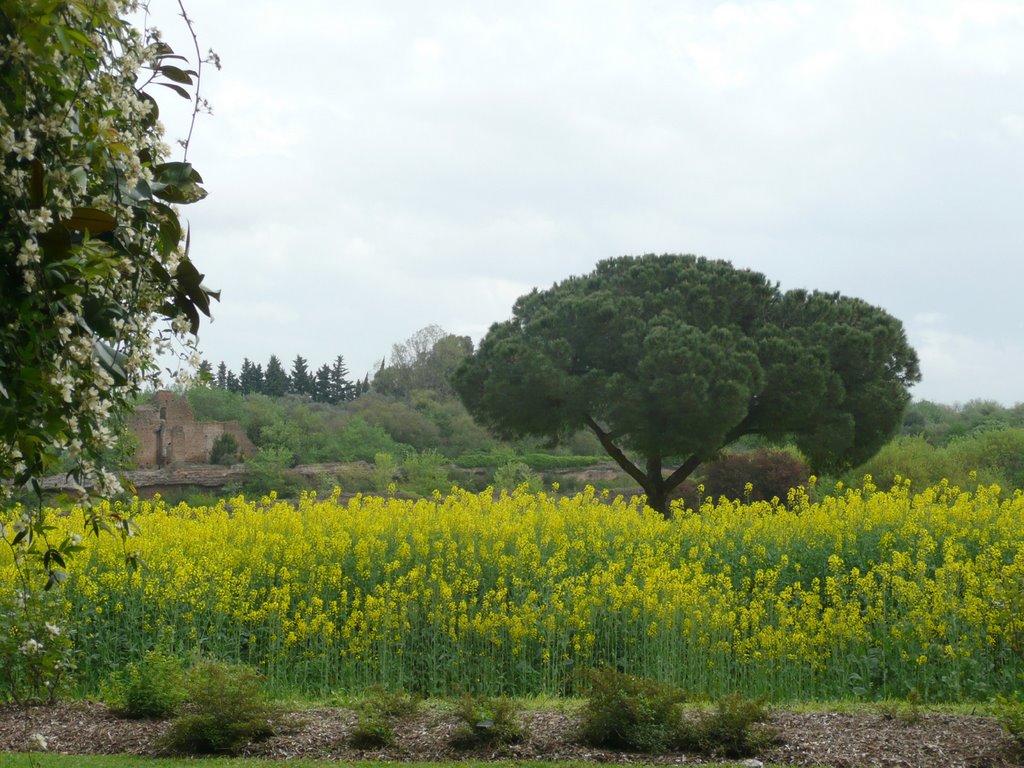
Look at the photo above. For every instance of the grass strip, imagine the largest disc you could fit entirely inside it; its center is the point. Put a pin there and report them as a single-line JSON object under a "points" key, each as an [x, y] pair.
{"points": [[47, 760]]}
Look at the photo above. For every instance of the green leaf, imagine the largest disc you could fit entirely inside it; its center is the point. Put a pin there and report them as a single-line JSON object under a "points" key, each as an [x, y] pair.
{"points": [[91, 220], [176, 173], [177, 183], [79, 177], [111, 360], [187, 193], [56, 243], [36, 189], [53, 556], [159, 49], [178, 90], [63, 39], [176, 74], [54, 578]]}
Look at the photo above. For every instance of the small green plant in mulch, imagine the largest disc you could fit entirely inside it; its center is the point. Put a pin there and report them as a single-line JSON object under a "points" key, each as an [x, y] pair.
{"points": [[907, 712], [226, 710], [634, 713], [377, 713], [1010, 713], [729, 730], [486, 722], [153, 687]]}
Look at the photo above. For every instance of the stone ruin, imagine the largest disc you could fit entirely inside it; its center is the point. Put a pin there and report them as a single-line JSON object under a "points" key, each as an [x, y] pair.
{"points": [[168, 433]]}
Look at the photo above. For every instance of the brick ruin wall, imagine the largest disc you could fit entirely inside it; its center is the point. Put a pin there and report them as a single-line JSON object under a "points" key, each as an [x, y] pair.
{"points": [[168, 433]]}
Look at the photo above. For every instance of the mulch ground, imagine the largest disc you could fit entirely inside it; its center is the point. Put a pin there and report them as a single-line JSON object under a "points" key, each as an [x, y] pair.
{"points": [[844, 740]]}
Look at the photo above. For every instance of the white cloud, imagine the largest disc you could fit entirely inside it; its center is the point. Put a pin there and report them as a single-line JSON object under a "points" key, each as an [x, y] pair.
{"points": [[957, 367], [376, 168], [878, 27], [1014, 125]]}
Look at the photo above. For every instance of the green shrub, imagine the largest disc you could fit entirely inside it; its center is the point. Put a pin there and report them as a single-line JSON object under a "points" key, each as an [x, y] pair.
{"points": [[487, 459], [266, 471], [376, 715], [227, 710], [360, 441], [536, 461], [909, 457], [425, 473], [728, 731], [153, 687], [224, 450], [486, 722], [383, 476], [628, 712], [473, 480], [550, 461], [36, 654], [1010, 714], [906, 711], [387, 703], [996, 453], [371, 731], [515, 474], [351, 478]]}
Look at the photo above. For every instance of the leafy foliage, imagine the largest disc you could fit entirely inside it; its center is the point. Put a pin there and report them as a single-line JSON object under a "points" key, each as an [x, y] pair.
{"points": [[224, 450], [36, 653], [486, 721], [1010, 711], [371, 731], [537, 461], [92, 249], [376, 715], [988, 457], [940, 424], [227, 710], [729, 731], [678, 356], [384, 469], [627, 712], [756, 475], [267, 471], [517, 474], [152, 687], [424, 361], [425, 473]]}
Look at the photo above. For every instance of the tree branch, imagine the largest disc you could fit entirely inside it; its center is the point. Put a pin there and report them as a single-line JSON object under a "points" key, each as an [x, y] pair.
{"points": [[616, 453], [681, 472]]}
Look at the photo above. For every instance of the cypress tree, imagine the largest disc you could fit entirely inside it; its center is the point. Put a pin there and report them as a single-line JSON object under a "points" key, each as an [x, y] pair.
{"points": [[302, 382], [275, 381]]}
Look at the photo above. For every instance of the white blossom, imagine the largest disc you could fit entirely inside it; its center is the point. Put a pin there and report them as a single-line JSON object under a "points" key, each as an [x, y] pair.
{"points": [[31, 647], [29, 253], [25, 149]]}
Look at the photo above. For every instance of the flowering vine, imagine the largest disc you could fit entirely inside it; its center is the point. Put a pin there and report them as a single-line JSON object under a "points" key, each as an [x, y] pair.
{"points": [[95, 276]]}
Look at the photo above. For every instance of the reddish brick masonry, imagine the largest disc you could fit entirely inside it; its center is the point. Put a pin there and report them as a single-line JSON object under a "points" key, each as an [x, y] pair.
{"points": [[168, 433]]}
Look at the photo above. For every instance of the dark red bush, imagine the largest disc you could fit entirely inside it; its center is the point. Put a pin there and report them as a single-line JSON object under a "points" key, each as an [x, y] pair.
{"points": [[770, 472]]}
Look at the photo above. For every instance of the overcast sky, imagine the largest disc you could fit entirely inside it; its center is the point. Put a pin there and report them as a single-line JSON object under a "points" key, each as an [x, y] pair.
{"points": [[378, 167]]}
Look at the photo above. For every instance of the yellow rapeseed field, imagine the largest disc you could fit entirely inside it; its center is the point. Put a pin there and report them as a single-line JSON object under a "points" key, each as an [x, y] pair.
{"points": [[866, 594]]}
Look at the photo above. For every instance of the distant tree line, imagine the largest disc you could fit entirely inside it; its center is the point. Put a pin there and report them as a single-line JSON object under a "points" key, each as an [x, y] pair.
{"points": [[939, 424], [328, 384]]}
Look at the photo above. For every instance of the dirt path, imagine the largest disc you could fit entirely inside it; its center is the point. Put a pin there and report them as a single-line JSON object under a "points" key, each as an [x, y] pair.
{"points": [[861, 740]]}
